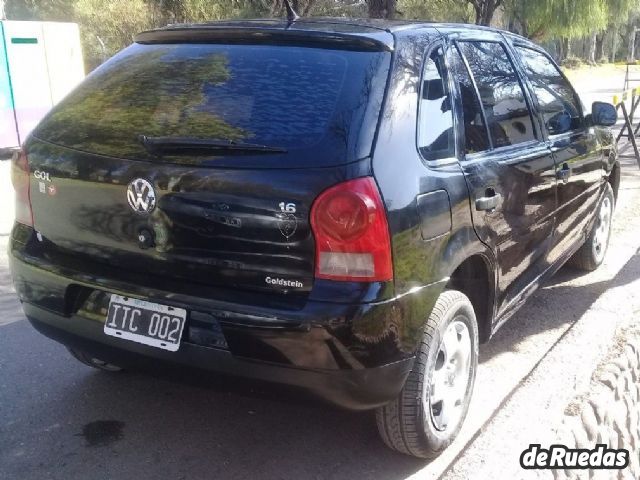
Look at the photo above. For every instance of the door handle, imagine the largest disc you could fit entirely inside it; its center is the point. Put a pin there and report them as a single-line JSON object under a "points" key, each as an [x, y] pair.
{"points": [[564, 173], [489, 202]]}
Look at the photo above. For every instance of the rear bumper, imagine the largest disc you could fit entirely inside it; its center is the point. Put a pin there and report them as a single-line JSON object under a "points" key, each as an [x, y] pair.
{"points": [[354, 356], [352, 389]]}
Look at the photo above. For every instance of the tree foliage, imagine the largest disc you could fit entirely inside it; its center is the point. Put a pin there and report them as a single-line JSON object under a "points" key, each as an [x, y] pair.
{"points": [[437, 10], [541, 19], [109, 25]]}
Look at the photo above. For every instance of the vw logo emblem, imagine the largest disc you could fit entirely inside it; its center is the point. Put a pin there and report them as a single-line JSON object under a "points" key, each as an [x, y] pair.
{"points": [[141, 196]]}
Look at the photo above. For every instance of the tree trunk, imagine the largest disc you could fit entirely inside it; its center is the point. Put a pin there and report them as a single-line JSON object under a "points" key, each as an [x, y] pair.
{"points": [[600, 47], [614, 44], [376, 8], [391, 9], [591, 58], [631, 56], [559, 51], [382, 8], [488, 15], [485, 9], [564, 49]]}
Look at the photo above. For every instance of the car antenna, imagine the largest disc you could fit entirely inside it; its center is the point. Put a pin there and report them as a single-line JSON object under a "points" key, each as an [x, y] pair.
{"points": [[292, 16]]}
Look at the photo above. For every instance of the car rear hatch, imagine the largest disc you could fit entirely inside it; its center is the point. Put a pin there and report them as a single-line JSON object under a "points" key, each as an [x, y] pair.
{"points": [[198, 161]]}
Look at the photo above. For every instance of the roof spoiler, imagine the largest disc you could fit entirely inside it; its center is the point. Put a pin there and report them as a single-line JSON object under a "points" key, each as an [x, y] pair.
{"points": [[264, 35]]}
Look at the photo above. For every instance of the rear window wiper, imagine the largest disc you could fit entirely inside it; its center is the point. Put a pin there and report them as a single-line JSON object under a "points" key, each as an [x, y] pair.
{"points": [[202, 146]]}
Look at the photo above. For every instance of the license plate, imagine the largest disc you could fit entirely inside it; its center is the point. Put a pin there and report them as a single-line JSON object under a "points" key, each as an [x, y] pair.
{"points": [[145, 322]]}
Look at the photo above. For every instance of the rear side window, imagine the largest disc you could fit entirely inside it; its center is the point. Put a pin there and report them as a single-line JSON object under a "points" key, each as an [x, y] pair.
{"points": [[314, 103], [435, 126], [557, 100], [475, 132], [501, 93]]}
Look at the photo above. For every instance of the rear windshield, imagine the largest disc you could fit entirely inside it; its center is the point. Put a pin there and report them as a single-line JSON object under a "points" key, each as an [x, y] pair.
{"points": [[319, 105]]}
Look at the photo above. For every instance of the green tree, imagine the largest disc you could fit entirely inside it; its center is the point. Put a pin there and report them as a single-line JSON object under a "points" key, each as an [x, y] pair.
{"points": [[543, 19], [621, 18], [437, 10], [108, 26], [180, 11], [53, 10], [382, 8]]}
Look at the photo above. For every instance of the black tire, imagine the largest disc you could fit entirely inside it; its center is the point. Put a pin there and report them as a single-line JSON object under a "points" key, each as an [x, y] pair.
{"points": [[93, 362], [408, 424], [592, 253]]}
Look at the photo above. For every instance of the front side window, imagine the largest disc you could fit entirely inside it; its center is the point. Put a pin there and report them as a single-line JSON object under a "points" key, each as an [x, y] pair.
{"points": [[505, 107], [435, 124], [557, 100]]}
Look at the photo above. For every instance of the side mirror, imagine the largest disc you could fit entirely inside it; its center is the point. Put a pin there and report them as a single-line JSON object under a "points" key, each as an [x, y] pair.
{"points": [[603, 114]]}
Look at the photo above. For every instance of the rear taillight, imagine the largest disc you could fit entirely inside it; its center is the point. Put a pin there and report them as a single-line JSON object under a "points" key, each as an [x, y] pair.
{"points": [[20, 177], [351, 232]]}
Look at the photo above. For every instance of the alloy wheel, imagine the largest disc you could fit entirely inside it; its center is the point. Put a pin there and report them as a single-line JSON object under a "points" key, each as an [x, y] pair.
{"points": [[450, 377], [602, 227]]}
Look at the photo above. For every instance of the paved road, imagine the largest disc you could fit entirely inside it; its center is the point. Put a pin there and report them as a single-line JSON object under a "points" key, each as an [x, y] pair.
{"points": [[60, 420]]}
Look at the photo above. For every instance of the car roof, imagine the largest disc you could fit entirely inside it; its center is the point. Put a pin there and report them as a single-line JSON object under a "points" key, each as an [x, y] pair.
{"points": [[337, 24], [376, 30], [327, 24]]}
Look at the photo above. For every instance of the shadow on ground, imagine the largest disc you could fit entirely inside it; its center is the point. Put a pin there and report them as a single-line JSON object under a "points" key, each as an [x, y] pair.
{"points": [[67, 421], [542, 313]]}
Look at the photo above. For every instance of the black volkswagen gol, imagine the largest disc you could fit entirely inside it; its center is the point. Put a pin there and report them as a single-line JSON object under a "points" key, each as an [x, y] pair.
{"points": [[344, 206]]}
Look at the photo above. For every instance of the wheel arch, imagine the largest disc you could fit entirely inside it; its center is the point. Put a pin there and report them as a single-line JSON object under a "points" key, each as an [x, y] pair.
{"points": [[614, 179], [475, 277]]}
